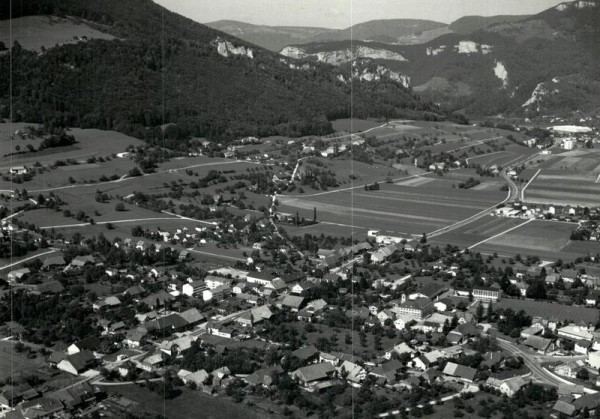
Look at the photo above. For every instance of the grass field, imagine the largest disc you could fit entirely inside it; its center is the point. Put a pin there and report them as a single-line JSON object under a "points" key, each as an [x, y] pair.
{"points": [[90, 143], [394, 208], [13, 363], [354, 125]]}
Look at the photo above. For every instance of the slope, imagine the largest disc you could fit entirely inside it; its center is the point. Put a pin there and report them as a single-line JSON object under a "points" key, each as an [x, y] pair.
{"points": [[165, 68], [273, 38]]}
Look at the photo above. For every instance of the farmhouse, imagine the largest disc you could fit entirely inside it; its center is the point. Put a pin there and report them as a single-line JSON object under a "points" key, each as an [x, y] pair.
{"points": [[460, 372], [77, 363]]}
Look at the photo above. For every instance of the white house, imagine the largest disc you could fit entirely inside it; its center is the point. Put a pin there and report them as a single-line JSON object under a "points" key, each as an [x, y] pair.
{"points": [[192, 288]]}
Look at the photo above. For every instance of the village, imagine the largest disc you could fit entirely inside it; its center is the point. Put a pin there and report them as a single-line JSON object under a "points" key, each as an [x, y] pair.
{"points": [[388, 314]]}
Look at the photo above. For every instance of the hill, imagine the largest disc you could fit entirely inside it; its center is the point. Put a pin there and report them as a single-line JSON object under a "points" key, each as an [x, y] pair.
{"points": [[401, 31], [469, 24], [273, 38], [164, 68], [515, 65]]}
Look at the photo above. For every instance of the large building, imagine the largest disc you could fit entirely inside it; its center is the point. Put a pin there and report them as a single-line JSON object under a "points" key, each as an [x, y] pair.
{"points": [[419, 308], [486, 293]]}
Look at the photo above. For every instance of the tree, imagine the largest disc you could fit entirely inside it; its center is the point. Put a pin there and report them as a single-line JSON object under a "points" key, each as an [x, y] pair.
{"points": [[423, 238], [583, 374], [479, 312], [120, 206]]}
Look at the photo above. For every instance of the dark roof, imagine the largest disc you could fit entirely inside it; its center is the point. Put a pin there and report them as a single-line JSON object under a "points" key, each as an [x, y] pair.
{"points": [[162, 297], [171, 321], [306, 352], [48, 287], [81, 360], [91, 342]]}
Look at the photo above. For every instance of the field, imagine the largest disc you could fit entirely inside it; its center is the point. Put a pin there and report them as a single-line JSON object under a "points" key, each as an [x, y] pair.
{"points": [[13, 363], [568, 178], [90, 143], [401, 208], [546, 239], [548, 310], [354, 125], [35, 32]]}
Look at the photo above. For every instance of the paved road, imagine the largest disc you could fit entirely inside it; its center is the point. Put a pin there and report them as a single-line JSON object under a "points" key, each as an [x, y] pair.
{"points": [[539, 373]]}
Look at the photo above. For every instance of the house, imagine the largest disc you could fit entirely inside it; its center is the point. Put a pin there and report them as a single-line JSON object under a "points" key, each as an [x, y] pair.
{"points": [[262, 278], [399, 350], [194, 288], [77, 363], [135, 291], [402, 320], [192, 316], [220, 292], [197, 378], [150, 363], [541, 345], [569, 369], [306, 354], [91, 343], [264, 377], [42, 407], [582, 346], [300, 287], [594, 359], [12, 395], [135, 338], [75, 395], [184, 255], [311, 375], [240, 287], [18, 275], [167, 324], [81, 261], [575, 333], [387, 371], [428, 359], [53, 262], [508, 387], [157, 299], [460, 372], [291, 302], [352, 372], [213, 281]]}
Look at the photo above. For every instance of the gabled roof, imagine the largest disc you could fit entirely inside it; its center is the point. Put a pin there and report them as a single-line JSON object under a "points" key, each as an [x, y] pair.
{"points": [[292, 301], [80, 360], [314, 372], [306, 352], [461, 371], [192, 316]]}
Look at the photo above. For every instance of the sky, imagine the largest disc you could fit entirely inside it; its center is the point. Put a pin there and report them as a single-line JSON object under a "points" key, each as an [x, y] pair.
{"points": [[341, 14]]}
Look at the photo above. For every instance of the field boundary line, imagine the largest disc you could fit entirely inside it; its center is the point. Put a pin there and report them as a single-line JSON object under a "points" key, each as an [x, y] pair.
{"points": [[528, 183], [499, 234]]}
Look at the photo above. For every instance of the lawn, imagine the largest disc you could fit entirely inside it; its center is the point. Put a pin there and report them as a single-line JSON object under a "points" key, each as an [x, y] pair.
{"points": [[189, 404]]}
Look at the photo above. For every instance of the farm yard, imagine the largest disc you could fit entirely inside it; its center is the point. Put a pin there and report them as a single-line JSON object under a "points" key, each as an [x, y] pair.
{"points": [[401, 209]]}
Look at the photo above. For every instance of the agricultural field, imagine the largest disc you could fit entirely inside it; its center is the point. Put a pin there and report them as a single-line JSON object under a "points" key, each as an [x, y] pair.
{"points": [[569, 178], [354, 125], [402, 208], [507, 236]]}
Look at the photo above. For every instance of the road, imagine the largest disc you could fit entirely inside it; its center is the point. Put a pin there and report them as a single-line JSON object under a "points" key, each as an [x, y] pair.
{"points": [[37, 255], [539, 373]]}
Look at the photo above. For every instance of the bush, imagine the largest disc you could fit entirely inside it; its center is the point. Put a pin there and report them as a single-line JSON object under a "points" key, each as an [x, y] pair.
{"points": [[120, 207]]}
